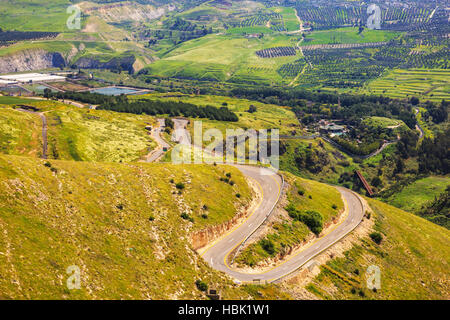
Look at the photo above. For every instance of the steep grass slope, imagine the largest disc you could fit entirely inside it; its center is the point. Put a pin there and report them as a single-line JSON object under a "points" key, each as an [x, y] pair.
{"points": [[34, 15], [420, 193], [20, 133], [95, 135], [74, 133], [120, 224], [413, 257]]}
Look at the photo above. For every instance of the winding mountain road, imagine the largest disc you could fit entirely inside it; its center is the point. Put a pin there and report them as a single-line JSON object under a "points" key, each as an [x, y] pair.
{"points": [[418, 127], [219, 253], [373, 154], [156, 154]]}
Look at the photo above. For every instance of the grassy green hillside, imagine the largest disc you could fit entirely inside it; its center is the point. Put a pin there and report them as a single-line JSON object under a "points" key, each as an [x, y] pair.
{"points": [[88, 135], [120, 224], [426, 197], [72, 48], [225, 58], [34, 15], [414, 196], [74, 133], [267, 116], [326, 161], [49, 46], [414, 259], [382, 122], [20, 132]]}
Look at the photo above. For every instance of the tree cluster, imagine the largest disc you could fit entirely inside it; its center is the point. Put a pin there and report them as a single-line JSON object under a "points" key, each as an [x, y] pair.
{"points": [[145, 106]]}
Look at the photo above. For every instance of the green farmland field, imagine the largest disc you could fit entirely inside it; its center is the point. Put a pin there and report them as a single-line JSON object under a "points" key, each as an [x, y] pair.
{"points": [[433, 85], [36, 15], [225, 58], [290, 20], [348, 35]]}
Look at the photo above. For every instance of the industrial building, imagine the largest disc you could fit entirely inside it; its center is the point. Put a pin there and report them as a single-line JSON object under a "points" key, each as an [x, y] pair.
{"points": [[29, 78]]}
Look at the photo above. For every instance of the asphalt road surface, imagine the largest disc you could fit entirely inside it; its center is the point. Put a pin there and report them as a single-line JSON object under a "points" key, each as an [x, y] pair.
{"points": [[180, 133], [218, 254], [156, 135]]}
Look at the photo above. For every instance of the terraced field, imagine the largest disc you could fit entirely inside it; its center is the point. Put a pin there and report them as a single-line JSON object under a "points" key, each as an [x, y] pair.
{"points": [[276, 19], [433, 85]]}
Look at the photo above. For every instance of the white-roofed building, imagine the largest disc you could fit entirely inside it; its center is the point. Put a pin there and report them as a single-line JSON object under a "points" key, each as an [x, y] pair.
{"points": [[32, 77]]}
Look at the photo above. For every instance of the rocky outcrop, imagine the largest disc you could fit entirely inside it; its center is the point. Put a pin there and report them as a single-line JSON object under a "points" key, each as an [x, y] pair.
{"points": [[121, 63], [29, 60], [126, 11], [38, 59], [202, 238]]}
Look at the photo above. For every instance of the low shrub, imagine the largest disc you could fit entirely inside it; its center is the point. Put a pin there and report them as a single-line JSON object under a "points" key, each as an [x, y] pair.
{"points": [[202, 286], [312, 219], [376, 237], [268, 246], [180, 186], [185, 216]]}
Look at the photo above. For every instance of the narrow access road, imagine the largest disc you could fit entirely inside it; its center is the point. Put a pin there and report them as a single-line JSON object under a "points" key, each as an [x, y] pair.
{"points": [[44, 135], [157, 154], [73, 103], [301, 30], [44, 130], [373, 154], [180, 134], [418, 127], [218, 254]]}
